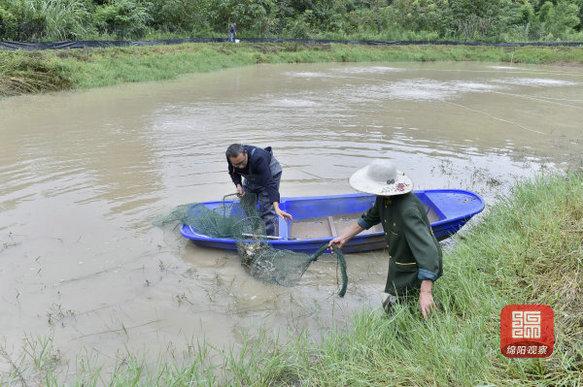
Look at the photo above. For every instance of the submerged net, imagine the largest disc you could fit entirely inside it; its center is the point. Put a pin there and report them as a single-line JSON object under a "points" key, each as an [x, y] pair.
{"points": [[239, 219], [283, 267]]}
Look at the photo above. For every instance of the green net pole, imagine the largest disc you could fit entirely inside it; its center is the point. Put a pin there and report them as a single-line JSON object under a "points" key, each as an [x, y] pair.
{"points": [[341, 262], [344, 274]]}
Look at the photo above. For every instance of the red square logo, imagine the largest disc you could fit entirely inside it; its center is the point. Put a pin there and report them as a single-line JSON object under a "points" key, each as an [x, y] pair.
{"points": [[527, 330]]}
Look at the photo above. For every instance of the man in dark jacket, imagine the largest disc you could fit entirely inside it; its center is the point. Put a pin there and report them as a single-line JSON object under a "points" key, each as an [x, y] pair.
{"points": [[415, 258], [256, 170]]}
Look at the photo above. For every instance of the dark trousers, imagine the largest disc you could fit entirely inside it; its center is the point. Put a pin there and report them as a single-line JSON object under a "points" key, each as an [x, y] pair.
{"points": [[266, 210]]}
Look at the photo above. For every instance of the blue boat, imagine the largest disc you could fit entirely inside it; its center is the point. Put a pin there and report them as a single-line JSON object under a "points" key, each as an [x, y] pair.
{"points": [[317, 219]]}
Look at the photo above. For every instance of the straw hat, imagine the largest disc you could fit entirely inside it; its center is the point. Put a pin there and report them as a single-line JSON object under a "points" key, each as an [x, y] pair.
{"points": [[381, 177]]}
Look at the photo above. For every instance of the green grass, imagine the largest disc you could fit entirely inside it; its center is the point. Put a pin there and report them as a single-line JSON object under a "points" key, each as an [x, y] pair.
{"points": [[25, 72], [527, 249]]}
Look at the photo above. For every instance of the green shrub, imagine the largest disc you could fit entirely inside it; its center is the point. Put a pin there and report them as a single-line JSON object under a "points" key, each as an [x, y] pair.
{"points": [[8, 24], [178, 15], [423, 15], [480, 19], [122, 18], [562, 18], [67, 19], [258, 17], [26, 20], [299, 27], [30, 23]]}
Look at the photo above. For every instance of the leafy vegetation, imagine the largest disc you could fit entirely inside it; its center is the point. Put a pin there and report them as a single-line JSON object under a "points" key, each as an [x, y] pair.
{"points": [[486, 20]]}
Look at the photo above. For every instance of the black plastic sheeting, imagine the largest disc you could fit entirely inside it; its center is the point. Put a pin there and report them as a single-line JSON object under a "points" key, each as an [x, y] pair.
{"points": [[8, 45]]}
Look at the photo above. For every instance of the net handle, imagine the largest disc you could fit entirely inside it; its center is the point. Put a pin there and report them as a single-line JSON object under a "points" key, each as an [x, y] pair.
{"points": [[341, 262]]}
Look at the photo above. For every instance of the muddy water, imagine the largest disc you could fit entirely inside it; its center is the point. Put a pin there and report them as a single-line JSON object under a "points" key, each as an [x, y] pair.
{"points": [[83, 174]]}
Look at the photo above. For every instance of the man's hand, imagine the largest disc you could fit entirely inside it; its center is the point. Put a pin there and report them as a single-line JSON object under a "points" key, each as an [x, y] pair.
{"points": [[341, 240], [426, 304], [240, 191], [337, 242], [283, 214]]}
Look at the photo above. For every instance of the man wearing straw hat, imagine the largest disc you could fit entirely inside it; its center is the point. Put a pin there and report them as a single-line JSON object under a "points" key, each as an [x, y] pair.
{"points": [[415, 258]]}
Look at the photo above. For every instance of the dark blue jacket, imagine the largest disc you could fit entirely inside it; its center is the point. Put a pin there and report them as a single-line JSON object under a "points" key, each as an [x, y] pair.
{"points": [[258, 169]]}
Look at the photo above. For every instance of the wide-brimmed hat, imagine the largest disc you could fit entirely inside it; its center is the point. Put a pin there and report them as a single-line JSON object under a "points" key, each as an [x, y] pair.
{"points": [[381, 177]]}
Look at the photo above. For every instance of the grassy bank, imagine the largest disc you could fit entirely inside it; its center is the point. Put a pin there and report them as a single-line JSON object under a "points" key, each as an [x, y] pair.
{"points": [[528, 249], [32, 72]]}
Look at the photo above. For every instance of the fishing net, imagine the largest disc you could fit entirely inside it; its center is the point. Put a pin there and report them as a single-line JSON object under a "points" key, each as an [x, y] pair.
{"points": [[283, 267], [239, 219], [227, 219]]}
